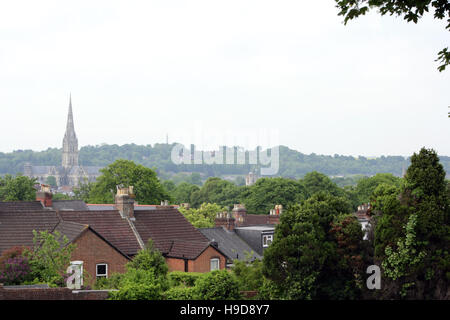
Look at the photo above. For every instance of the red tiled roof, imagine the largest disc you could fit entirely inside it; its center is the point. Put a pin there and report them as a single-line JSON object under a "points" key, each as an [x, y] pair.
{"points": [[256, 219], [16, 228], [171, 233], [10, 206], [110, 225]]}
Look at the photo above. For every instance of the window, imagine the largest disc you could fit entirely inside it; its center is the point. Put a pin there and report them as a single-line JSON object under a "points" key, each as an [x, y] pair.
{"points": [[215, 264], [102, 270], [267, 240]]}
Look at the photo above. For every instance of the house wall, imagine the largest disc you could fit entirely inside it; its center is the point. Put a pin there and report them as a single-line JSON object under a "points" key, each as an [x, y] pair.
{"points": [[92, 250], [201, 264]]}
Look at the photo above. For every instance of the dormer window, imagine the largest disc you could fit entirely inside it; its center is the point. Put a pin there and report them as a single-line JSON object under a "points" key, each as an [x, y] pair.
{"points": [[267, 240]]}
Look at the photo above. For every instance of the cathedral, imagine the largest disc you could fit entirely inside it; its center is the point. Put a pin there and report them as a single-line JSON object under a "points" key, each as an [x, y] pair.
{"points": [[70, 173]]}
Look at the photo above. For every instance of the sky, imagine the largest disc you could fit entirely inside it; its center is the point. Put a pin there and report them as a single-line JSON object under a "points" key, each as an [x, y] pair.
{"points": [[213, 72]]}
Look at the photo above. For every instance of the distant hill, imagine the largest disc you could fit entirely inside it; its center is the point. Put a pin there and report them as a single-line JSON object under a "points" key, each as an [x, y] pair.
{"points": [[292, 163]]}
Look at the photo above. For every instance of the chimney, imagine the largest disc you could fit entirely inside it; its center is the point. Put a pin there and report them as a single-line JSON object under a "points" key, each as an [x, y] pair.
{"points": [[274, 215], [164, 203], [185, 205], [44, 195], [124, 201], [239, 214], [226, 220]]}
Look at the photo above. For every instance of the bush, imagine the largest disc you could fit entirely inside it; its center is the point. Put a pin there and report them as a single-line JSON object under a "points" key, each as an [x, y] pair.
{"points": [[139, 284], [14, 268], [113, 282], [217, 285], [179, 278], [180, 293]]}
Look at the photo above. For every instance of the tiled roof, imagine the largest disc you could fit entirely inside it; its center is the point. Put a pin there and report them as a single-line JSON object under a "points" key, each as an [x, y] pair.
{"points": [[256, 219], [70, 229], [110, 225], [171, 233], [230, 243], [75, 205], [16, 228], [10, 206]]}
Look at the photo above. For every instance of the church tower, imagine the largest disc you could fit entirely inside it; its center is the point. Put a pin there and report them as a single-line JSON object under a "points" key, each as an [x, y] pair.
{"points": [[70, 142]]}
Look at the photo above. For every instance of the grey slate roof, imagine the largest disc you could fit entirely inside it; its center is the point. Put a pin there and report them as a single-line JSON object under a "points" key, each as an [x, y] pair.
{"points": [[229, 243], [75, 205]]}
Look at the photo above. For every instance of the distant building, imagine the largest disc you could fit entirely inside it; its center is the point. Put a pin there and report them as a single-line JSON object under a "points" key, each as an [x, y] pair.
{"points": [[363, 216], [70, 173], [251, 178]]}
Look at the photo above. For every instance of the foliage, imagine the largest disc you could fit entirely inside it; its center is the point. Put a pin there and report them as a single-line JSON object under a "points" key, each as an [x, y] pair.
{"points": [[215, 190], [111, 282], [202, 217], [149, 259], [146, 277], [140, 284], [317, 182], [268, 192], [49, 257], [293, 164], [366, 186], [180, 278], [183, 192], [307, 259], [248, 274], [148, 189], [412, 10], [402, 260], [18, 188], [180, 293], [14, 267], [217, 285], [51, 180]]}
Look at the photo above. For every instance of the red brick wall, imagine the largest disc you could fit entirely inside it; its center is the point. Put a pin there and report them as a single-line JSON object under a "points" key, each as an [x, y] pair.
{"points": [[175, 264], [201, 264], [92, 250], [50, 294]]}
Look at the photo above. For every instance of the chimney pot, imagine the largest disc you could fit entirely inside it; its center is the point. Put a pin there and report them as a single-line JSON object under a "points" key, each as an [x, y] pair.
{"points": [[124, 201]]}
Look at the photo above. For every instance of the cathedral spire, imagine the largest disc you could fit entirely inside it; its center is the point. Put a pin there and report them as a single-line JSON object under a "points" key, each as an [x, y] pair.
{"points": [[70, 142]]}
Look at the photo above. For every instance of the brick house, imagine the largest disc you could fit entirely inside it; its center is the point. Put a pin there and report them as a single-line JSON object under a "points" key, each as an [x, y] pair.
{"points": [[240, 235], [108, 236]]}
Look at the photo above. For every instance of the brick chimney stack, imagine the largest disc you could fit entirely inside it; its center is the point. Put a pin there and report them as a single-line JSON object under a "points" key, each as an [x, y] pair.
{"points": [[239, 214], [124, 201], [274, 215], [226, 220], [44, 195]]}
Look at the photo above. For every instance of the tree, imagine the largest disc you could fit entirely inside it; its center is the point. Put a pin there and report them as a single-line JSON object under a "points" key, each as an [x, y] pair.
{"points": [[202, 217], [366, 186], [217, 285], [49, 257], [248, 274], [146, 276], [147, 187], [268, 192], [18, 188], [51, 180], [315, 250], [412, 10], [183, 192], [216, 190], [315, 182], [412, 232]]}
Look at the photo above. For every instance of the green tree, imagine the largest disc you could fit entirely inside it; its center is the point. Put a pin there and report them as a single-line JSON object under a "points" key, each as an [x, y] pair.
{"points": [[217, 285], [412, 227], [248, 274], [18, 188], [202, 217], [308, 257], [366, 186], [147, 187], [49, 257], [316, 182], [183, 192], [412, 10], [146, 277], [268, 192], [216, 190], [51, 180]]}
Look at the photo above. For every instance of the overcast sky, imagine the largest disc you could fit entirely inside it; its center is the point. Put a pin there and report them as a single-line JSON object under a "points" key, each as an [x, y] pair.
{"points": [[221, 70]]}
